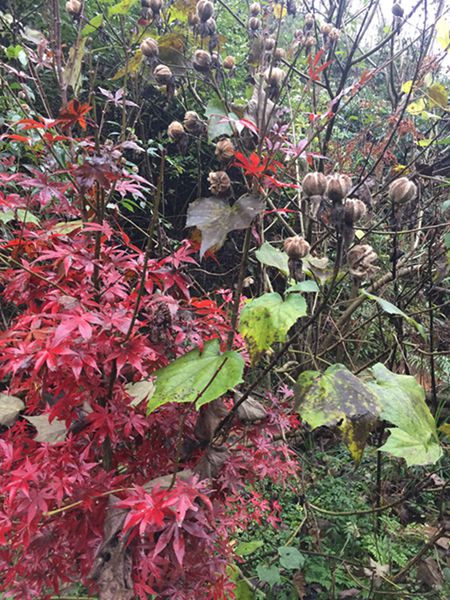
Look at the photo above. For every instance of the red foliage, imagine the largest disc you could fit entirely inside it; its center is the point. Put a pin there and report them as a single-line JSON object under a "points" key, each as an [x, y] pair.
{"points": [[69, 352]]}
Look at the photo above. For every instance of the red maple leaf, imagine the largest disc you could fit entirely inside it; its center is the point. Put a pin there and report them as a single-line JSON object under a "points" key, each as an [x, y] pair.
{"points": [[71, 114]]}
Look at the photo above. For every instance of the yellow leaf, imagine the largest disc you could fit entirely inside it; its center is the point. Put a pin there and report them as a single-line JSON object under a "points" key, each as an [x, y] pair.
{"points": [[438, 94], [443, 33], [72, 69], [406, 87], [279, 11], [445, 428], [131, 68], [415, 108]]}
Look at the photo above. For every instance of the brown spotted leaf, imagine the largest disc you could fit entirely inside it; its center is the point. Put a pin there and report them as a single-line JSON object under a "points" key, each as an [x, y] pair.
{"points": [[337, 398]]}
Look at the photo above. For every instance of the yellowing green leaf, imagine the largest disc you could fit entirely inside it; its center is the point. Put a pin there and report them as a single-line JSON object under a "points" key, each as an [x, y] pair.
{"points": [[72, 69], [131, 68], [94, 25], [121, 8], [267, 319], [438, 95], [415, 108], [338, 398]]}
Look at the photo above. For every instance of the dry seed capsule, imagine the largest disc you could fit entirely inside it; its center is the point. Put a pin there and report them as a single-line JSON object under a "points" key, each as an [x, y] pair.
{"points": [[254, 23], [402, 190], [73, 7], [296, 247], [201, 61], [224, 150], [255, 9], [163, 75], [192, 123], [314, 184], [336, 188], [397, 10], [149, 48], [219, 183], [354, 210], [176, 131], [229, 62], [205, 10]]}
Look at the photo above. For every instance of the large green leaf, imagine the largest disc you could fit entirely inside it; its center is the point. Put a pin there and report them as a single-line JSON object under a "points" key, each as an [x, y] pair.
{"points": [[338, 398], [272, 257], [402, 403], [198, 377], [267, 319]]}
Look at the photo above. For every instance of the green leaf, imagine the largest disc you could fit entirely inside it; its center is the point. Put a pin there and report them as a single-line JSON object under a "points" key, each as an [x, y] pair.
{"points": [[198, 377], [243, 591], [272, 257], [121, 8], [338, 398], [267, 319], [391, 309], [291, 558], [246, 548], [402, 402], [26, 217], [94, 24], [304, 286], [270, 575]]}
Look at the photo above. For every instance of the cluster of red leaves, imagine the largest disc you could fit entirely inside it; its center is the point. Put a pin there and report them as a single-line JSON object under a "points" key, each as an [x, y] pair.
{"points": [[69, 352]]}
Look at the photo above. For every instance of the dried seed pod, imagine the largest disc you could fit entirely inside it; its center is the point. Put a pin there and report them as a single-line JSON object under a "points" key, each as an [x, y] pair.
{"points": [[326, 28], [219, 183], [192, 123], [229, 62], [346, 181], [147, 14], [269, 43], [298, 34], [209, 27], [205, 10], [402, 190], [360, 260], [254, 23], [274, 76], [163, 75], [255, 9], [397, 10], [176, 131], [145, 3], [73, 7], [337, 188], [224, 150], [193, 20], [201, 61], [309, 41], [279, 54], [149, 48], [354, 210], [334, 34], [314, 184], [156, 6], [296, 247], [309, 20]]}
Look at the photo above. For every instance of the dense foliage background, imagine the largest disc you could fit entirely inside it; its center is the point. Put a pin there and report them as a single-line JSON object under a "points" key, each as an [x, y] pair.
{"points": [[224, 265]]}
